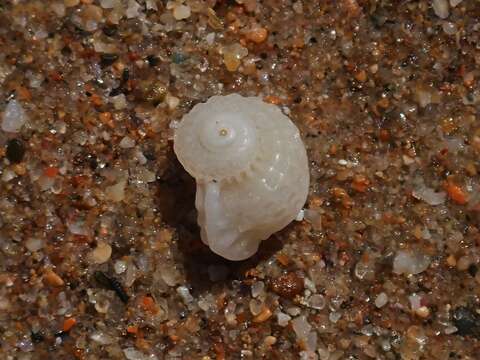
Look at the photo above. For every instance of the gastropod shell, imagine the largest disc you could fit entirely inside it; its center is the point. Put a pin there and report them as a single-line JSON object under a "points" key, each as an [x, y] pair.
{"points": [[251, 170]]}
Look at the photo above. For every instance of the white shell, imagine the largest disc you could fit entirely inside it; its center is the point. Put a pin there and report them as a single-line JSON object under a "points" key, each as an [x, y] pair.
{"points": [[251, 170]]}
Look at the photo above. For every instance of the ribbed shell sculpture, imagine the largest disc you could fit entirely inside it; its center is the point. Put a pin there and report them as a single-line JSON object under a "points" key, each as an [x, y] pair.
{"points": [[251, 170]]}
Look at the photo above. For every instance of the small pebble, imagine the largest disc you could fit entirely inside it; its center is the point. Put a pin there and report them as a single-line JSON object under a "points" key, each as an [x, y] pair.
{"points": [[230, 315], [308, 355], [210, 38], [34, 244], [78, 228], [109, 4], [334, 317], [288, 285], [264, 315], [258, 35], [314, 217], [467, 321], [407, 160], [101, 253], [15, 151], [133, 9], [146, 176], [120, 266], [423, 312], [317, 301], [449, 330], [71, 3], [232, 56], [133, 354], [170, 275], [52, 278], [381, 300], [185, 294], [151, 5], [258, 288], [451, 261], [14, 117], [58, 8], [294, 311], [116, 192], [119, 102], [127, 142], [181, 12], [256, 306], [449, 28], [90, 17], [283, 319], [441, 8], [178, 57], [416, 335], [415, 301], [4, 304], [25, 345], [410, 262], [172, 101], [361, 75], [102, 338], [301, 327], [109, 30], [270, 340], [153, 60], [298, 7], [464, 263], [8, 175], [246, 354], [108, 59], [300, 215]]}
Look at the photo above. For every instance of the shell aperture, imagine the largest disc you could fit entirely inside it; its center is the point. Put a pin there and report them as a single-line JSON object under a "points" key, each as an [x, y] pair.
{"points": [[251, 170]]}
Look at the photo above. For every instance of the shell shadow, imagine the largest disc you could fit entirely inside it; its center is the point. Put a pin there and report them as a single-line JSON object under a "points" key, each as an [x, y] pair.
{"points": [[204, 269]]}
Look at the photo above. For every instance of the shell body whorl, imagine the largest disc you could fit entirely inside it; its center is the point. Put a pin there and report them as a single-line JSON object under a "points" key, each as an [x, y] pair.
{"points": [[251, 170]]}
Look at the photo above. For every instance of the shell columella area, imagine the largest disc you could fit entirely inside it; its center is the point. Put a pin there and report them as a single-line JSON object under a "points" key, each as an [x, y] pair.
{"points": [[251, 170]]}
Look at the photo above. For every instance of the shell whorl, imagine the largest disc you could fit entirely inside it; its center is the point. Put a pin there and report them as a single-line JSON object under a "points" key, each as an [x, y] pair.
{"points": [[222, 138], [217, 140]]}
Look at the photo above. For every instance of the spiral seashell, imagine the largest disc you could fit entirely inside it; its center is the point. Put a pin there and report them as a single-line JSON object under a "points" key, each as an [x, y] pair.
{"points": [[251, 170]]}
